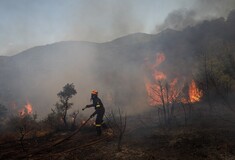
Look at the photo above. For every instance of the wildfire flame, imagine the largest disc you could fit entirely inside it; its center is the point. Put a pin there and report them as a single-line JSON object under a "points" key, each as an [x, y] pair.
{"points": [[161, 90], [159, 75], [194, 93], [29, 108], [156, 89], [26, 110]]}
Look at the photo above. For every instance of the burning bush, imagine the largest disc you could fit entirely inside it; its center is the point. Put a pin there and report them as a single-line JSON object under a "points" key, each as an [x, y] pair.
{"points": [[164, 91]]}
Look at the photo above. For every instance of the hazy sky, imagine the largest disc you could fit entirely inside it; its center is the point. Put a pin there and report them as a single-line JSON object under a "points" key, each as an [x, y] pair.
{"points": [[28, 23]]}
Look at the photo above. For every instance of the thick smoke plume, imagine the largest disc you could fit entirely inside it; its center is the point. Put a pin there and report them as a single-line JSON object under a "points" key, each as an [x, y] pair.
{"points": [[201, 10], [178, 20]]}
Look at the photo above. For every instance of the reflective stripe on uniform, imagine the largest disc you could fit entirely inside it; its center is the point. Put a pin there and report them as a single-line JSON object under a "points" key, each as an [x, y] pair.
{"points": [[98, 125], [98, 105]]}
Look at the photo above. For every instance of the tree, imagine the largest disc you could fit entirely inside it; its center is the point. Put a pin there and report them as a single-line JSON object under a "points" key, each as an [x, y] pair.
{"points": [[64, 105], [216, 69], [165, 95], [217, 78]]}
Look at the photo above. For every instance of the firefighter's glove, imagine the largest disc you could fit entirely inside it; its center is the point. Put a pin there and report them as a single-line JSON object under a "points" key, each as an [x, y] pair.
{"points": [[84, 108]]}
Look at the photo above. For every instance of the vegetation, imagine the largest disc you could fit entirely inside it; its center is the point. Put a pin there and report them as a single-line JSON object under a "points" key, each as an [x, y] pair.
{"points": [[215, 75], [64, 105], [119, 123]]}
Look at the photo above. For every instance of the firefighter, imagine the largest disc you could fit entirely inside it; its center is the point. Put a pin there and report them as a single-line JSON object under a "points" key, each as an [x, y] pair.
{"points": [[99, 111]]}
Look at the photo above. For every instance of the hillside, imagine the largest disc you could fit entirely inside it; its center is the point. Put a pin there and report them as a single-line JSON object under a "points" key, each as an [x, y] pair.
{"points": [[115, 68]]}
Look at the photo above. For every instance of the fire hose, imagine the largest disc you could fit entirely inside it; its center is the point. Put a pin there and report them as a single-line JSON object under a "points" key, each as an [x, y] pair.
{"points": [[75, 132], [63, 140]]}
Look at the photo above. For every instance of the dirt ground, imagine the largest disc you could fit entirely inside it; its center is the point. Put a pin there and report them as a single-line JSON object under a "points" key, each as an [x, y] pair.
{"points": [[215, 142], [176, 144]]}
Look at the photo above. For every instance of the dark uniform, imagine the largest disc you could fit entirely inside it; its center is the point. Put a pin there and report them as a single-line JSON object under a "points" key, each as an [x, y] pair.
{"points": [[99, 111]]}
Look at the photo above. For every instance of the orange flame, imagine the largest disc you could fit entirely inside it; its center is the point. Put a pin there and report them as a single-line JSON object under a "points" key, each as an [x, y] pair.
{"points": [[159, 75], [26, 110], [152, 98], [29, 108], [155, 92], [194, 93], [162, 90]]}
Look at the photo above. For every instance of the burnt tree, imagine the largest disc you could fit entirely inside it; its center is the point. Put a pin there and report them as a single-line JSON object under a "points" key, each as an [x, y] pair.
{"points": [[165, 96], [119, 120]]}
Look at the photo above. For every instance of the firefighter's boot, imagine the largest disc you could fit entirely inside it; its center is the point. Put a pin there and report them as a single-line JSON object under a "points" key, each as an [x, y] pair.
{"points": [[98, 130]]}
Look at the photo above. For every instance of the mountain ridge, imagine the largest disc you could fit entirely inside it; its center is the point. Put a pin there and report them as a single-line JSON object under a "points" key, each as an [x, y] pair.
{"points": [[114, 67]]}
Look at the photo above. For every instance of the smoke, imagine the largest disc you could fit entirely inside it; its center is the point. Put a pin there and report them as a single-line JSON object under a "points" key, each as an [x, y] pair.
{"points": [[214, 8], [104, 20], [38, 74], [178, 20], [201, 10]]}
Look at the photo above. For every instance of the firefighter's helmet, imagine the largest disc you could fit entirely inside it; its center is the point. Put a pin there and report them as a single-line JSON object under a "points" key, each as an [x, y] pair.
{"points": [[94, 92]]}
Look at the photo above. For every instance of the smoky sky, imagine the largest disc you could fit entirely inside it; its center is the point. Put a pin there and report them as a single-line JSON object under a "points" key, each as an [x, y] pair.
{"points": [[26, 23], [201, 10]]}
